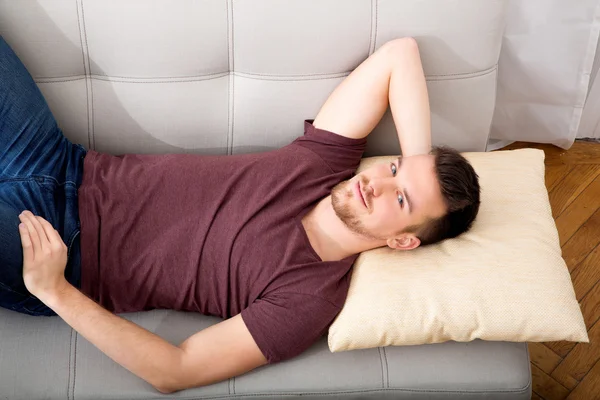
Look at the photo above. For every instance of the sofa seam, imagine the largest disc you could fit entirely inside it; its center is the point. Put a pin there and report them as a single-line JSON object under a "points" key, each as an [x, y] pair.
{"points": [[252, 75], [387, 369], [75, 364], [376, 24], [59, 79], [381, 364], [132, 79], [489, 132], [162, 81], [459, 75], [528, 362], [232, 88], [292, 78], [456, 77], [437, 77], [371, 31], [87, 48], [336, 393], [230, 67], [85, 76], [70, 355], [228, 90], [100, 76], [337, 74]]}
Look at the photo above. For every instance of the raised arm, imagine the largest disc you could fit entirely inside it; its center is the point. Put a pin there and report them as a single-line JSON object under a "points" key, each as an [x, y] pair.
{"points": [[391, 75]]}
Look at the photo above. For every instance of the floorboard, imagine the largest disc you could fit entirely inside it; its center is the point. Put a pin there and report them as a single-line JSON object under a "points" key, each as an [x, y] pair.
{"points": [[569, 370]]}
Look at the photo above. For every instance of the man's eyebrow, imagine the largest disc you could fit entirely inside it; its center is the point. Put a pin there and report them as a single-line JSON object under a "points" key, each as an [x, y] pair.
{"points": [[406, 196]]}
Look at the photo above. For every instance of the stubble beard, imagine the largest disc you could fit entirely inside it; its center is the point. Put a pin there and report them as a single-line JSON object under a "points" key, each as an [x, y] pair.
{"points": [[341, 197]]}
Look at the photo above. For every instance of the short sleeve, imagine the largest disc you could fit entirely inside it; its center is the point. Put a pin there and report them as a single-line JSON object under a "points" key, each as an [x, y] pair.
{"points": [[284, 325], [339, 152]]}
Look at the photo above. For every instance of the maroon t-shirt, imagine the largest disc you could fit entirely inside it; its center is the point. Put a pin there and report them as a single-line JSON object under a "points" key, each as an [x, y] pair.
{"points": [[219, 235]]}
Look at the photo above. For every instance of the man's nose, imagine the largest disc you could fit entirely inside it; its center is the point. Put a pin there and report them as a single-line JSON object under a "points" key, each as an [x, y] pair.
{"points": [[378, 186]]}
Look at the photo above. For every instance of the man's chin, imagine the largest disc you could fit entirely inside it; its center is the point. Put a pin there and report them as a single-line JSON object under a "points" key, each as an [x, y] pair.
{"points": [[361, 232]]}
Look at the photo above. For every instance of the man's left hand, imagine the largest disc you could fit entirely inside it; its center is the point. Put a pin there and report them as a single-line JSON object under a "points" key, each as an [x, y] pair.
{"points": [[44, 256]]}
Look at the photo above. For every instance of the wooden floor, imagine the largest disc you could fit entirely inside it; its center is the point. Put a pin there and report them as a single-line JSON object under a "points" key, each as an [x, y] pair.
{"points": [[567, 370]]}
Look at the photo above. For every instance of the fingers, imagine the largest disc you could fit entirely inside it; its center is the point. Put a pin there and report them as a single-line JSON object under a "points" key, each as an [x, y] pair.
{"points": [[52, 234], [39, 229], [26, 242], [36, 241], [42, 234]]}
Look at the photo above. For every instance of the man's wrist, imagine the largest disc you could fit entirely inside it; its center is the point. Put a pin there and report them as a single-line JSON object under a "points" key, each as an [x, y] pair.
{"points": [[52, 297]]}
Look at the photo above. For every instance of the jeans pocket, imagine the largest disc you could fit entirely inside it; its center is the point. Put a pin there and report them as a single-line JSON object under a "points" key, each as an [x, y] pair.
{"points": [[45, 182]]}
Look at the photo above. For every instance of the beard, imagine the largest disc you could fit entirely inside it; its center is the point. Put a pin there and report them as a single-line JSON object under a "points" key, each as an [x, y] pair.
{"points": [[341, 200]]}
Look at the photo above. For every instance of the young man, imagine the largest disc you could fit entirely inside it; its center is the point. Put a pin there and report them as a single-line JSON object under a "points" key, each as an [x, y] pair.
{"points": [[265, 240]]}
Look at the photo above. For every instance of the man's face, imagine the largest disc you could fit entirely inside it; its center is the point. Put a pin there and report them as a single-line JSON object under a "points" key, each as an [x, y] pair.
{"points": [[385, 199]]}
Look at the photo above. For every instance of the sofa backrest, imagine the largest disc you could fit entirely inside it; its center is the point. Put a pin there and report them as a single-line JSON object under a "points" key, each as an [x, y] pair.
{"points": [[238, 76]]}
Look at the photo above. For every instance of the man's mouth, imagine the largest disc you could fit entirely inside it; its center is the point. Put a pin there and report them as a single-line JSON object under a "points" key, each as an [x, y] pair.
{"points": [[359, 195]]}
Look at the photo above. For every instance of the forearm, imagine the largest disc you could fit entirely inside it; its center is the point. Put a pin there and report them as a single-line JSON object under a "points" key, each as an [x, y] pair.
{"points": [[145, 354], [409, 102]]}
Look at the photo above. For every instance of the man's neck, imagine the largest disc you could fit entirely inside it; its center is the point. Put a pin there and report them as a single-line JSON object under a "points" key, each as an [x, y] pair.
{"points": [[328, 235]]}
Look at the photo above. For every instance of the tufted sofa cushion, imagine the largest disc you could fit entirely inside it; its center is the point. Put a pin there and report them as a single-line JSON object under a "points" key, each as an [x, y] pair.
{"points": [[225, 77]]}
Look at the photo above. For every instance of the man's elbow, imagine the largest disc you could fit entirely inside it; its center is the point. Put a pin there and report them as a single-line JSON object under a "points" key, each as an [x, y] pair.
{"points": [[169, 380], [166, 386], [170, 384], [172, 387], [165, 390], [174, 382]]}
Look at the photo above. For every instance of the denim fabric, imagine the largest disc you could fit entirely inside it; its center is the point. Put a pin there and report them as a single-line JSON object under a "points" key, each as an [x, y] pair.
{"points": [[40, 171]]}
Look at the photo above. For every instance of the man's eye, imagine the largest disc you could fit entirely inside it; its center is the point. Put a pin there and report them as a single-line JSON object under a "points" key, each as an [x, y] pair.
{"points": [[393, 166], [400, 200]]}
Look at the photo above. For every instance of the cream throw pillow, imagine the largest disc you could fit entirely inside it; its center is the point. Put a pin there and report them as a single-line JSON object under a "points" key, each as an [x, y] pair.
{"points": [[504, 280]]}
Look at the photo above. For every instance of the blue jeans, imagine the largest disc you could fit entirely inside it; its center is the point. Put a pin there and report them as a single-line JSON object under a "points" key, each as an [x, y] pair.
{"points": [[40, 171]]}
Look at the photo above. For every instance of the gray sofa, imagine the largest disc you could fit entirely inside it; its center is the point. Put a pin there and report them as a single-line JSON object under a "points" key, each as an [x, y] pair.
{"points": [[236, 76]]}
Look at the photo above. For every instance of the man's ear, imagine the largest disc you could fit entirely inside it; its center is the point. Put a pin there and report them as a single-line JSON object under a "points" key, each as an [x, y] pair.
{"points": [[406, 241]]}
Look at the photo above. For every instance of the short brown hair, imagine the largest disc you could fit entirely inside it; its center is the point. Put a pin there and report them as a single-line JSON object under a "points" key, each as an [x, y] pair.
{"points": [[459, 184]]}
